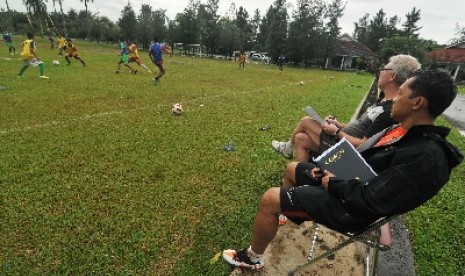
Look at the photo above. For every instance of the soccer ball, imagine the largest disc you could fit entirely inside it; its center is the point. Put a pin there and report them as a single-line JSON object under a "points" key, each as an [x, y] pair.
{"points": [[177, 109], [56, 62]]}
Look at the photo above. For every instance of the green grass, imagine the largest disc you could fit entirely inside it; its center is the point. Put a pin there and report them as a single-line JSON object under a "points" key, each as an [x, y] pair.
{"points": [[98, 177], [461, 89]]}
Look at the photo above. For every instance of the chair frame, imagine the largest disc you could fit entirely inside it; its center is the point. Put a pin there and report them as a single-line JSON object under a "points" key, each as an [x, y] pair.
{"points": [[369, 236]]}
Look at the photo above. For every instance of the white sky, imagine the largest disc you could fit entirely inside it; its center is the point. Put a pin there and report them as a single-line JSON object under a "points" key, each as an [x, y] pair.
{"points": [[438, 18]]}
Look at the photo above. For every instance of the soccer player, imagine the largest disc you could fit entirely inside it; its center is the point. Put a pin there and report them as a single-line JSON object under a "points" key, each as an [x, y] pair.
{"points": [[156, 56], [134, 56], [242, 61], [71, 52], [29, 57], [60, 44], [124, 58], [281, 61], [51, 40], [9, 42]]}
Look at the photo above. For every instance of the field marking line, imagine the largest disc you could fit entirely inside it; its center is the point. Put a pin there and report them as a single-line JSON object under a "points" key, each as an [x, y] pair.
{"points": [[87, 117]]}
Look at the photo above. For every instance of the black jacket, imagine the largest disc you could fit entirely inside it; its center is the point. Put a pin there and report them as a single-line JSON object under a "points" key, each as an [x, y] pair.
{"points": [[410, 171]]}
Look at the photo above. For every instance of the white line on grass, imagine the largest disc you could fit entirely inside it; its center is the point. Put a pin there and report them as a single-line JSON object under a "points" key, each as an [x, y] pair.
{"points": [[87, 117]]}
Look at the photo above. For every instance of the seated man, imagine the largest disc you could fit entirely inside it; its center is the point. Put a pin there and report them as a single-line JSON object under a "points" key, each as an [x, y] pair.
{"points": [[309, 135], [413, 162]]}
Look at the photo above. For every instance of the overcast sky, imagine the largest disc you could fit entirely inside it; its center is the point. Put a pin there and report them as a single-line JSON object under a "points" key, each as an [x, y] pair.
{"points": [[438, 17]]}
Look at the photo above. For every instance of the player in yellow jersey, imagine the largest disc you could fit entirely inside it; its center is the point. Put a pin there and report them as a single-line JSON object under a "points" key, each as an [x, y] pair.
{"points": [[134, 56], [60, 44], [71, 52], [29, 57]]}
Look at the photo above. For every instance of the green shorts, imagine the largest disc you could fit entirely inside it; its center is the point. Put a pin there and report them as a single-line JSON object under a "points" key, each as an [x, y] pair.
{"points": [[124, 59]]}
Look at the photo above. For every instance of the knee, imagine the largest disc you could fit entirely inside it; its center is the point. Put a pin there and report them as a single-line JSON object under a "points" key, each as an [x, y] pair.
{"points": [[270, 200], [301, 138], [289, 175]]}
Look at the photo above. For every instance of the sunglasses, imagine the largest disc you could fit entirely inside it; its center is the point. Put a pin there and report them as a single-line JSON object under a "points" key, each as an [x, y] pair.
{"points": [[385, 69]]}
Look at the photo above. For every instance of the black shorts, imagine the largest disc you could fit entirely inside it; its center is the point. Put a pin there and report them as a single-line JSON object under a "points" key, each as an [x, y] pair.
{"points": [[308, 202], [326, 141]]}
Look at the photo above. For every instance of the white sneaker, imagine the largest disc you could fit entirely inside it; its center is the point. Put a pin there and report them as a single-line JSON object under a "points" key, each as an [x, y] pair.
{"points": [[285, 148]]}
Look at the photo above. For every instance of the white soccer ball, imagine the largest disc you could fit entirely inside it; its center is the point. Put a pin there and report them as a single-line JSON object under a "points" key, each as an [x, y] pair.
{"points": [[56, 62], [301, 83], [177, 109]]}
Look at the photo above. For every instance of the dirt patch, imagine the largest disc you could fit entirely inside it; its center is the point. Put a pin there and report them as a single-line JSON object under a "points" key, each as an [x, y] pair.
{"points": [[290, 247]]}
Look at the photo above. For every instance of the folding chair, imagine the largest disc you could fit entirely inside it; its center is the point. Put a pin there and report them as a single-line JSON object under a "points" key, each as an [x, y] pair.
{"points": [[370, 237]]}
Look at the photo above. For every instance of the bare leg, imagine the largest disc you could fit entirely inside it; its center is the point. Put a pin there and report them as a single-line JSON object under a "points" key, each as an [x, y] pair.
{"points": [[289, 175], [266, 220], [309, 126]]}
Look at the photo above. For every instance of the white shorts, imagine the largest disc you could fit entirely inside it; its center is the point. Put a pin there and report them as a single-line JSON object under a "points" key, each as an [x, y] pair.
{"points": [[32, 62]]}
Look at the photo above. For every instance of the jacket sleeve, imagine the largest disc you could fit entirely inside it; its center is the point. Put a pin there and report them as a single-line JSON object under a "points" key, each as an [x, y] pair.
{"points": [[410, 181]]}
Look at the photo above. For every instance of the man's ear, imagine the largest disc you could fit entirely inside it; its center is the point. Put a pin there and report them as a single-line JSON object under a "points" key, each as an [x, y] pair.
{"points": [[420, 102]]}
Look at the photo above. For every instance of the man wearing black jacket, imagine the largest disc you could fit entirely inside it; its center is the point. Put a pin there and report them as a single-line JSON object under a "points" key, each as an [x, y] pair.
{"points": [[412, 159]]}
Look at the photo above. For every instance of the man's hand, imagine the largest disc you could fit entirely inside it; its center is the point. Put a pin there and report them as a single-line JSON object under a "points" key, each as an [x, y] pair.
{"points": [[325, 179], [330, 128], [323, 175]]}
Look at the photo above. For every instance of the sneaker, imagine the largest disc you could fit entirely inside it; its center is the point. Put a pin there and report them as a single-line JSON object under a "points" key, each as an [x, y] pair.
{"points": [[285, 148], [241, 259], [43, 77], [156, 80], [116, 71], [135, 72]]}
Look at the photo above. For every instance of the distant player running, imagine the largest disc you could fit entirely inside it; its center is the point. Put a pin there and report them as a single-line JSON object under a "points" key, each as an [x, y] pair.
{"points": [[51, 40], [124, 58], [29, 57], [134, 56], [71, 52], [9, 42], [156, 56]]}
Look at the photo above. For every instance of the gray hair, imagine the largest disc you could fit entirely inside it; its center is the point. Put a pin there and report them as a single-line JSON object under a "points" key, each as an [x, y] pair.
{"points": [[404, 66]]}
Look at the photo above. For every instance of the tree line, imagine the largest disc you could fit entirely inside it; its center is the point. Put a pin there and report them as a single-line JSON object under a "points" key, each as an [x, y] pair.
{"points": [[305, 34]]}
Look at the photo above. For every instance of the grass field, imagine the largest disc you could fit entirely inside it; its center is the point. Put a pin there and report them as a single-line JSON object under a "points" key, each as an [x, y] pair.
{"points": [[97, 176]]}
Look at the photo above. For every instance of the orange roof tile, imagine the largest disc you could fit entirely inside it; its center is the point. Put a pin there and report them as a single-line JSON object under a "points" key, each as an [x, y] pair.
{"points": [[451, 55]]}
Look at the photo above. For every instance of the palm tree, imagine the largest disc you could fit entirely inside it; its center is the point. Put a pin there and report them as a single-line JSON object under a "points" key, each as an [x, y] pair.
{"points": [[38, 10], [87, 17], [60, 2], [10, 15]]}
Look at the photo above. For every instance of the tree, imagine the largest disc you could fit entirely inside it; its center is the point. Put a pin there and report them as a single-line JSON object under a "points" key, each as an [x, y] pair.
{"points": [[127, 23], [264, 28], [276, 40], [87, 17], [191, 12], [459, 33], [35, 12], [60, 2], [145, 26], [209, 15], [244, 28], [410, 25], [361, 29], [333, 12], [306, 32]]}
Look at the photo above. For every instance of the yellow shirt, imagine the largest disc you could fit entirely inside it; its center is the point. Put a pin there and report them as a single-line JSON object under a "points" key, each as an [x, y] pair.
{"points": [[133, 51], [26, 52], [61, 42]]}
